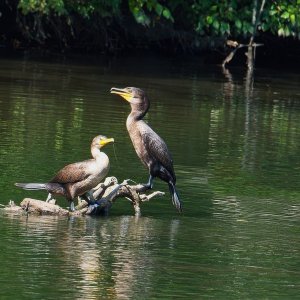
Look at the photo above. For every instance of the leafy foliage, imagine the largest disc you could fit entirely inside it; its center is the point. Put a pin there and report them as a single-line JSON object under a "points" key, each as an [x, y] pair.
{"points": [[233, 18], [219, 18], [140, 7], [64, 7], [66, 21], [283, 18]]}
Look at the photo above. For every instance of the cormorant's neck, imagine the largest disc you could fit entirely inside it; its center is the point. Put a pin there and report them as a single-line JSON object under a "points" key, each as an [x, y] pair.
{"points": [[136, 115], [95, 152], [138, 110]]}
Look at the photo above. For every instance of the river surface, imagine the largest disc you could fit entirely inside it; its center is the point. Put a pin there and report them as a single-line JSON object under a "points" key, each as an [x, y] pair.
{"points": [[235, 142]]}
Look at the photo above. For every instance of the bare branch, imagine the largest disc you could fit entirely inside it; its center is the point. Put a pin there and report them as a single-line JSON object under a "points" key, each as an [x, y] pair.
{"points": [[237, 46], [103, 195]]}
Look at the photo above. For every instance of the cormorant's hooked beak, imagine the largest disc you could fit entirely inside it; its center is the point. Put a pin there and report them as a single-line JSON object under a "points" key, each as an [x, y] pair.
{"points": [[106, 141], [127, 95]]}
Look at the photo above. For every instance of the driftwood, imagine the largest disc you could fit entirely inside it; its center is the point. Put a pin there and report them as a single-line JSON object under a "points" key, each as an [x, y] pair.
{"points": [[102, 198]]}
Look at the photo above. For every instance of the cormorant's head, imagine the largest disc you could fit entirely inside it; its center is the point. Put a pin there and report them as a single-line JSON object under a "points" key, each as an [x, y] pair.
{"points": [[100, 141], [135, 96]]}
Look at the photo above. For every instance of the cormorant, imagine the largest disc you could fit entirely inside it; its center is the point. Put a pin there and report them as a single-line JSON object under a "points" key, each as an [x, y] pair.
{"points": [[79, 178], [149, 146]]}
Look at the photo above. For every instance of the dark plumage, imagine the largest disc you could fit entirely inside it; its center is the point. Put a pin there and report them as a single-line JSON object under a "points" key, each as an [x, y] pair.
{"points": [[78, 178], [149, 146]]}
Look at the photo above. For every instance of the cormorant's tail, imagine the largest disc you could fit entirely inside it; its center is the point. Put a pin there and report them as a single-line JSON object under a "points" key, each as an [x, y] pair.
{"points": [[32, 186], [175, 197]]}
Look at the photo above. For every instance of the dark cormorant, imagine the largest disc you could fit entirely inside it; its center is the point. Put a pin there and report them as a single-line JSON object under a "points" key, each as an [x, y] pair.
{"points": [[78, 178], [149, 146]]}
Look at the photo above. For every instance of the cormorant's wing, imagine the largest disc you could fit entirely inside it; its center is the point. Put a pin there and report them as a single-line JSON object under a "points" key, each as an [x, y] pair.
{"points": [[74, 172], [157, 149]]}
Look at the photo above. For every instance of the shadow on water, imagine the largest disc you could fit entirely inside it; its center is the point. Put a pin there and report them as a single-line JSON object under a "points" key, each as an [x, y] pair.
{"points": [[235, 142]]}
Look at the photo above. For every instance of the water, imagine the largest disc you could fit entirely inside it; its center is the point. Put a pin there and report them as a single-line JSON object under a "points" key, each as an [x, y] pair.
{"points": [[235, 144]]}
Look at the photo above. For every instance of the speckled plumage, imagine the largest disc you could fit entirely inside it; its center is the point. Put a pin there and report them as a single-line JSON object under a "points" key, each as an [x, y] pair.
{"points": [[149, 146], [151, 149]]}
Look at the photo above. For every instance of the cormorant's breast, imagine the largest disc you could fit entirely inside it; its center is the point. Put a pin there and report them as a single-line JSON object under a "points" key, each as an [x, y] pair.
{"points": [[76, 172]]}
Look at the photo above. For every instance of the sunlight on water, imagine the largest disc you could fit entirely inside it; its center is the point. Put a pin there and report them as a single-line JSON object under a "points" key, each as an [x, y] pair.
{"points": [[235, 144]]}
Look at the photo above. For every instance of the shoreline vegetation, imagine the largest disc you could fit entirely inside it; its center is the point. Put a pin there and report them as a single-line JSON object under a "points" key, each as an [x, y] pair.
{"points": [[214, 30]]}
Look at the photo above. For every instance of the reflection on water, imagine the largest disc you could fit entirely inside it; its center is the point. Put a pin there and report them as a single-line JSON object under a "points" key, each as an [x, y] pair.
{"points": [[235, 143], [88, 258]]}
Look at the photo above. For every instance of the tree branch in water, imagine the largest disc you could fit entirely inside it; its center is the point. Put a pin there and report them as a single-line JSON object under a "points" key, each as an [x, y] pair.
{"points": [[103, 196], [256, 16]]}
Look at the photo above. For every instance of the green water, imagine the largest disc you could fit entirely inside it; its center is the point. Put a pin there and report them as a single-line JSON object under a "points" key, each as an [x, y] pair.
{"points": [[235, 144]]}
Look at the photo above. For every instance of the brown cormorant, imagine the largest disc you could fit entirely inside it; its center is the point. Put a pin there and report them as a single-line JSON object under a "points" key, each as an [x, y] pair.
{"points": [[149, 146], [79, 178]]}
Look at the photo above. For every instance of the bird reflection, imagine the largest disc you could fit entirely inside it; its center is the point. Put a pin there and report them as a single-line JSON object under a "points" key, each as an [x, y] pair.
{"points": [[97, 257], [112, 257]]}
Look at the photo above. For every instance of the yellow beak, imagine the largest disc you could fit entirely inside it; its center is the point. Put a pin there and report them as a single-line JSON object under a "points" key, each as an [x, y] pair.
{"points": [[106, 141], [122, 92]]}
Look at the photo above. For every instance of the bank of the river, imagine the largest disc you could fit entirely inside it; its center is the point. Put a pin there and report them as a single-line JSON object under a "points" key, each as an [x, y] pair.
{"points": [[113, 28]]}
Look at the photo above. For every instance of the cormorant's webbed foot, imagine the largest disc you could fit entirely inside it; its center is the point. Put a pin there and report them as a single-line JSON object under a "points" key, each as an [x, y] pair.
{"points": [[72, 206], [149, 184], [49, 197]]}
